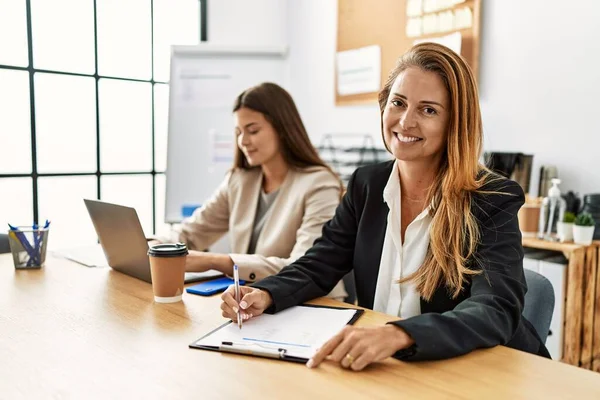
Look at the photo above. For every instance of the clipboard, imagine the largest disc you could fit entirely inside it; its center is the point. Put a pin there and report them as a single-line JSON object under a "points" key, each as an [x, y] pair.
{"points": [[271, 347]]}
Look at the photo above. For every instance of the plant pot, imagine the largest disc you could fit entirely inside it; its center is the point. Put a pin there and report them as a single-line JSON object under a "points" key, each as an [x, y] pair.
{"points": [[583, 234], [564, 231]]}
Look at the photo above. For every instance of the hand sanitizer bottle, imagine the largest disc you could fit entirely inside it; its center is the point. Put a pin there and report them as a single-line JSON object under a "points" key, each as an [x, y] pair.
{"points": [[552, 210]]}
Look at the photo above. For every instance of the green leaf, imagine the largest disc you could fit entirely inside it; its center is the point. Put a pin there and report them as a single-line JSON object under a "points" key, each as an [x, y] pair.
{"points": [[585, 219]]}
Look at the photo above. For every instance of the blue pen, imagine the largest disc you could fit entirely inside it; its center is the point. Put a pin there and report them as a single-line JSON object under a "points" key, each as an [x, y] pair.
{"points": [[36, 241], [41, 239], [38, 237], [236, 282], [25, 243], [42, 232]]}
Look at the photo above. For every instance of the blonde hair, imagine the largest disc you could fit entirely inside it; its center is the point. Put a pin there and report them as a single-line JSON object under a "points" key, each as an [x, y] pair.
{"points": [[454, 232]]}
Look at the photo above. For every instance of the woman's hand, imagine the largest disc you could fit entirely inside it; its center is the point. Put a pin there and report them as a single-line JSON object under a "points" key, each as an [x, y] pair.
{"points": [[200, 261], [253, 302], [197, 261], [356, 348]]}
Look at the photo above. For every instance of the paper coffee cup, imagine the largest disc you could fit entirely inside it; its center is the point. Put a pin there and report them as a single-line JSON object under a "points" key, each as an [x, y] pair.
{"points": [[529, 216], [167, 268]]}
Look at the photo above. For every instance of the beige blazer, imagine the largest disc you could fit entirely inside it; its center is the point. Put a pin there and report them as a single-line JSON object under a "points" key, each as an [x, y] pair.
{"points": [[307, 199]]}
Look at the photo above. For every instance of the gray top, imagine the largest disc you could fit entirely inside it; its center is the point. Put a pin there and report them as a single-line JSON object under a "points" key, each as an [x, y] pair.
{"points": [[262, 210]]}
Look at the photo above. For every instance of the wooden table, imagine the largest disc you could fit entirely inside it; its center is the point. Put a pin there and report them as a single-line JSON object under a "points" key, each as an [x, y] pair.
{"points": [[71, 332], [582, 309]]}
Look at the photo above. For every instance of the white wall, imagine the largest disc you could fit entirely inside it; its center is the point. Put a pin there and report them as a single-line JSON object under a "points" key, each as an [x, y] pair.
{"points": [[248, 22], [308, 28], [539, 74], [540, 85], [312, 40]]}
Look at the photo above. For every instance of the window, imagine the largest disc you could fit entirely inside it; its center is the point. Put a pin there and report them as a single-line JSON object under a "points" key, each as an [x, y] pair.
{"points": [[84, 108]]}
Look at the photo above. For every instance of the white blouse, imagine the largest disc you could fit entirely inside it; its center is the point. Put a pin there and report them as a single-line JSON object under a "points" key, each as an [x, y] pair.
{"points": [[399, 260]]}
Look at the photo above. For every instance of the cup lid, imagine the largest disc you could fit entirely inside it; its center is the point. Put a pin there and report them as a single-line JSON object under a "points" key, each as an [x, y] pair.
{"points": [[168, 250]]}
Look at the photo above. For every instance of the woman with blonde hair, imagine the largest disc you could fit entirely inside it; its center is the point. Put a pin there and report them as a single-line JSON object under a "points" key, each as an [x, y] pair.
{"points": [[275, 199], [432, 236]]}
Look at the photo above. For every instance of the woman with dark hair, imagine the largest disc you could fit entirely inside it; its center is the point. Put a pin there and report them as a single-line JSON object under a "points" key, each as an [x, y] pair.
{"points": [[432, 237], [274, 201]]}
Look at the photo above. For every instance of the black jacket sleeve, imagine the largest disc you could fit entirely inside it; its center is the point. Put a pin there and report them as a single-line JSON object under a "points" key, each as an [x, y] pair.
{"points": [[317, 272], [491, 315]]}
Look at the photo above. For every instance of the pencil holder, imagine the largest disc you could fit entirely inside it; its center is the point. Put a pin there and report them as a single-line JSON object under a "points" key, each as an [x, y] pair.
{"points": [[28, 247]]}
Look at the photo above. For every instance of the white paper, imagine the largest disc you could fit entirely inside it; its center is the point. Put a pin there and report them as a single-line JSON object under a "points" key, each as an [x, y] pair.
{"points": [[222, 146], [300, 330], [414, 8], [430, 24], [429, 6], [446, 21], [203, 89], [359, 70], [453, 41], [463, 18], [414, 27], [90, 256], [93, 256]]}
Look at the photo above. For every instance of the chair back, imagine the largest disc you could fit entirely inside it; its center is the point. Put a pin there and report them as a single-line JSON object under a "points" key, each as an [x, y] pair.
{"points": [[539, 302], [4, 245]]}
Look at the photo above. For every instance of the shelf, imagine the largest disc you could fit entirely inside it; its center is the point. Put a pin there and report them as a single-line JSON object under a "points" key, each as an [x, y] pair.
{"points": [[554, 246], [581, 343]]}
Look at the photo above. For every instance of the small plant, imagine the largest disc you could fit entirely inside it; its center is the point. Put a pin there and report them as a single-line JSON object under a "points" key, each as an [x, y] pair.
{"points": [[585, 219], [569, 217]]}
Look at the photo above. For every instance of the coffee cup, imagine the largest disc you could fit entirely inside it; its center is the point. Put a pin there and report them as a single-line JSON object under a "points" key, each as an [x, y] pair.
{"points": [[529, 217], [167, 268]]}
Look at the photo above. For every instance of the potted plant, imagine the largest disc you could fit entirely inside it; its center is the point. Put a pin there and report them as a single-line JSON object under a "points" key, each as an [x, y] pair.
{"points": [[583, 231], [564, 228]]}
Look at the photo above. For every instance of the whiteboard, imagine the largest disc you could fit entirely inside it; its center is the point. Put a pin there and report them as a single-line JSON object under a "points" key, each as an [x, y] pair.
{"points": [[205, 80]]}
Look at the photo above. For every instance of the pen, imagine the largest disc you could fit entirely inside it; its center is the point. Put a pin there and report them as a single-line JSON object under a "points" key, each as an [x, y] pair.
{"points": [[231, 347], [236, 282], [36, 239], [38, 236], [20, 236]]}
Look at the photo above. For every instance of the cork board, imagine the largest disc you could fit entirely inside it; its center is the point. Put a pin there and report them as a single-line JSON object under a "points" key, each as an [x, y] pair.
{"points": [[395, 25]]}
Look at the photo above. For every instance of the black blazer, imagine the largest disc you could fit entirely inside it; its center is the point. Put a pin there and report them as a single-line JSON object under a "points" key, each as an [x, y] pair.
{"points": [[487, 313]]}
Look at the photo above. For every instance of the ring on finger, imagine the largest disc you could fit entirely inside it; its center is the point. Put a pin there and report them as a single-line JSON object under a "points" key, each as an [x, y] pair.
{"points": [[349, 359]]}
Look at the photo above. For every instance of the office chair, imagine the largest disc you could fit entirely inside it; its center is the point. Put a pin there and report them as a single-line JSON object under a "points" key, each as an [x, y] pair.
{"points": [[539, 303], [4, 245], [538, 308]]}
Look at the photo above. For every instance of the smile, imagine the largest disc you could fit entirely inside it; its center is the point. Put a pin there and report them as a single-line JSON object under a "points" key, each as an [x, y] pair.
{"points": [[407, 138]]}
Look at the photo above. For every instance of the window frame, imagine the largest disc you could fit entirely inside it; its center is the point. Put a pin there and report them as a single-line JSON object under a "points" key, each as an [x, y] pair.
{"points": [[34, 175]]}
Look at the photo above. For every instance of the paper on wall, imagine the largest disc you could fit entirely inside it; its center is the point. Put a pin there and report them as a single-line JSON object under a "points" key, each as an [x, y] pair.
{"points": [[359, 70], [203, 89], [463, 18], [221, 146], [414, 8], [414, 27], [452, 41]]}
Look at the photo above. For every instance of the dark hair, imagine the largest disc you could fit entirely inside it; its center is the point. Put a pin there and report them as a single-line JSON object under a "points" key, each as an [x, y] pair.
{"points": [[278, 107]]}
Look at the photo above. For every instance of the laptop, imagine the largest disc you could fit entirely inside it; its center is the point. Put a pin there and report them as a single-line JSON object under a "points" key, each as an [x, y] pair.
{"points": [[124, 244]]}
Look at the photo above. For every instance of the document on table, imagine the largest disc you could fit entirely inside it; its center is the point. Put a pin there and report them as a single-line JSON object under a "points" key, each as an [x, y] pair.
{"points": [[294, 334], [90, 256]]}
